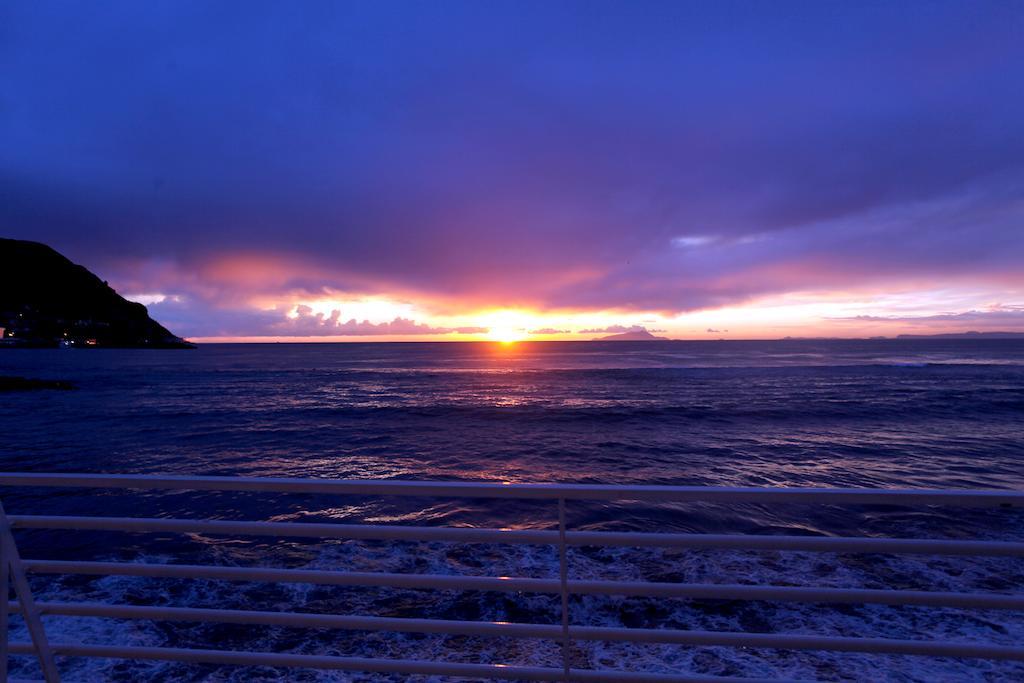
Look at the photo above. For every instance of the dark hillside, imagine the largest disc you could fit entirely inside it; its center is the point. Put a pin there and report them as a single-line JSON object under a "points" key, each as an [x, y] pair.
{"points": [[46, 300]]}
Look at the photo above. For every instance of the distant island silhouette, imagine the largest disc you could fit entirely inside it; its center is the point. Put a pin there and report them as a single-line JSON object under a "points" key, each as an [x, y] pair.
{"points": [[973, 334], [633, 335], [965, 335], [48, 301]]}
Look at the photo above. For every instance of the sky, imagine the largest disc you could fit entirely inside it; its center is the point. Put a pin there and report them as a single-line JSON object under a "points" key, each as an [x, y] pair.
{"points": [[525, 170]]}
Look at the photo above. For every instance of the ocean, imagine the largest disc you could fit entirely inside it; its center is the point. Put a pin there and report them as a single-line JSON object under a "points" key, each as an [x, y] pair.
{"points": [[860, 413]]}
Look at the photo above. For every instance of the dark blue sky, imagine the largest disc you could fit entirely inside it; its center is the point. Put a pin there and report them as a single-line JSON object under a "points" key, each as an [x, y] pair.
{"points": [[642, 157]]}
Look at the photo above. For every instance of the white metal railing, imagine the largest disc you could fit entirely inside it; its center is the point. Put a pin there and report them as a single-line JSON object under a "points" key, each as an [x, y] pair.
{"points": [[13, 571]]}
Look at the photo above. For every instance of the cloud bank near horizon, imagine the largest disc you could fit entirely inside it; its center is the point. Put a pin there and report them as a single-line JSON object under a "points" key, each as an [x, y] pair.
{"points": [[664, 158]]}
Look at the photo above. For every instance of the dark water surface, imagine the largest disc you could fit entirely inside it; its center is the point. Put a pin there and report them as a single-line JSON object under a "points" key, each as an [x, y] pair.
{"points": [[885, 413]]}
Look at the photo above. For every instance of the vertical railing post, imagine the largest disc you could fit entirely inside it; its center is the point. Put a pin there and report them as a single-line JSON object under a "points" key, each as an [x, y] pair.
{"points": [[25, 600], [5, 596], [563, 574]]}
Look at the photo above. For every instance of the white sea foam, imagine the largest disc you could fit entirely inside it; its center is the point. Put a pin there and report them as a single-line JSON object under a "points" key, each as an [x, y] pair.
{"points": [[780, 568]]}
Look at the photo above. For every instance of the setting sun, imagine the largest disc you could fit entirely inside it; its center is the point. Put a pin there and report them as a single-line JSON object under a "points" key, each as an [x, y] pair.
{"points": [[506, 335], [507, 326]]}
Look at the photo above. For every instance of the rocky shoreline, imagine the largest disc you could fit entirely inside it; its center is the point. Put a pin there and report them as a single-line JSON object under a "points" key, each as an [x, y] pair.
{"points": [[28, 384]]}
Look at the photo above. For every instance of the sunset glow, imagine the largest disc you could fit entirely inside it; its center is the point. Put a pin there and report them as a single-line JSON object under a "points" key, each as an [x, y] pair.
{"points": [[442, 187], [506, 335], [505, 326]]}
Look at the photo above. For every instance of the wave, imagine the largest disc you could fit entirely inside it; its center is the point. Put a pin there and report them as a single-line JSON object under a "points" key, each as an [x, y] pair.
{"points": [[780, 568]]}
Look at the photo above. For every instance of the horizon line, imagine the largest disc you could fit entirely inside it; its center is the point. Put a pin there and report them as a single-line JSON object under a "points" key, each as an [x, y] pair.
{"points": [[968, 334]]}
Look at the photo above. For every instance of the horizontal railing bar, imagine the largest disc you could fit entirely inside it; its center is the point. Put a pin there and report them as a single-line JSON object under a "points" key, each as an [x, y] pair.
{"points": [[405, 666], [314, 576], [400, 487], [700, 591], [288, 529], [529, 585], [298, 619], [531, 536], [782, 641], [542, 631], [835, 544]]}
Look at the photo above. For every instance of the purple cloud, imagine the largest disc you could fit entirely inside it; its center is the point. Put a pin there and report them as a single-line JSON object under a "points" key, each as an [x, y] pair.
{"points": [[192, 319], [668, 158], [305, 322], [1000, 315], [618, 329]]}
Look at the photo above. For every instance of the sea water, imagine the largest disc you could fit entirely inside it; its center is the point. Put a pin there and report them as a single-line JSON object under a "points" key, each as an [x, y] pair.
{"points": [[878, 413]]}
